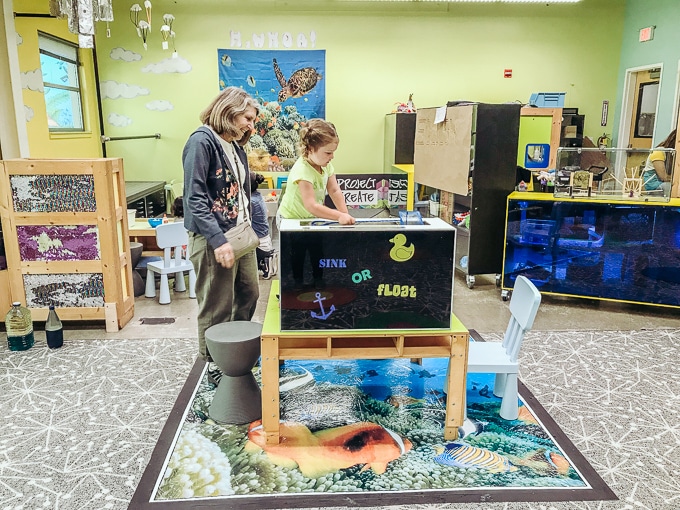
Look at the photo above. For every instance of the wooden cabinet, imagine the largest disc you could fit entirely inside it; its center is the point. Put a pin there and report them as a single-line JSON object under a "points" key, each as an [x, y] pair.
{"points": [[148, 198], [400, 133], [66, 238], [472, 155]]}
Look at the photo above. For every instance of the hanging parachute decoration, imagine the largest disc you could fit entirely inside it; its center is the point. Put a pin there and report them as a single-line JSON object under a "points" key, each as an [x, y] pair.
{"points": [[144, 28], [174, 49], [134, 17], [147, 7], [166, 29]]}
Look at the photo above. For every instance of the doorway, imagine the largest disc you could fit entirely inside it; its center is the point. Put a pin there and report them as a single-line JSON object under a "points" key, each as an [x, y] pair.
{"points": [[640, 104]]}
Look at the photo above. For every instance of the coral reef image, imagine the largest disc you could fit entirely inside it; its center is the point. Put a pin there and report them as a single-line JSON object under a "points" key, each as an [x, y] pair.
{"points": [[288, 85], [363, 426]]}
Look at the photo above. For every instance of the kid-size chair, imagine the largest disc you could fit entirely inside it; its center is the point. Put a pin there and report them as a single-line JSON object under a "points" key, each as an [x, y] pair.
{"points": [[500, 358], [172, 238]]}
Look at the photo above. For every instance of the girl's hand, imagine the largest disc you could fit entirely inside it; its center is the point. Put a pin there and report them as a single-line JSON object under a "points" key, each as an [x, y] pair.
{"points": [[346, 219]]}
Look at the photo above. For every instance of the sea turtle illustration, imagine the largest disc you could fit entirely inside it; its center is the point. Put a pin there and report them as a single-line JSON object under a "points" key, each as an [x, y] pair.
{"points": [[300, 82]]}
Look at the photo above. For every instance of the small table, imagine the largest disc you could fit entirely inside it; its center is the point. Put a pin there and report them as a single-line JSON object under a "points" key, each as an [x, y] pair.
{"points": [[141, 232], [278, 345]]}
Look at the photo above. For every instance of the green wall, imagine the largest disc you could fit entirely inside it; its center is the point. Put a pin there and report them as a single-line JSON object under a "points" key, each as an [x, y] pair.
{"points": [[376, 54], [664, 48]]}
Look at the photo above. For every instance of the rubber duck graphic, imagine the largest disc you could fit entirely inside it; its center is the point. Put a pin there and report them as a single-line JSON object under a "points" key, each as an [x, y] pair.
{"points": [[400, 252]]}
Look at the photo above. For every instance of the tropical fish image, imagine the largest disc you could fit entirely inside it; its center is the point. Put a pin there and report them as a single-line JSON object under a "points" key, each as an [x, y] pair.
{"points": [[401, 252], [404, 401], [471, 428], [464, 456], [226, 60], [526, 416], [544, 461], [250, 80], [325, 451], [300, 82]]}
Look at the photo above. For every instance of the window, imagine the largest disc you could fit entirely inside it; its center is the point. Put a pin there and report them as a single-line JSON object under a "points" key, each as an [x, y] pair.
{"points": [[646, 109], [59, 65]]}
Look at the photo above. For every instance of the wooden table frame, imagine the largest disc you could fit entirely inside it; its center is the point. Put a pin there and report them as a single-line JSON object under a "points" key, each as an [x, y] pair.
{"points": [[279, 345]]}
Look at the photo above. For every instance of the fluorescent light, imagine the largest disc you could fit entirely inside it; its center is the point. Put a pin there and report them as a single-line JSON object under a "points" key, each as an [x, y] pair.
{"points": [[479, 1]]}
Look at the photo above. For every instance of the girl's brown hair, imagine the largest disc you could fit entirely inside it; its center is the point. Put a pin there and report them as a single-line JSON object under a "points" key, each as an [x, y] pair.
{"points": [[669, 142], [316, 133]]}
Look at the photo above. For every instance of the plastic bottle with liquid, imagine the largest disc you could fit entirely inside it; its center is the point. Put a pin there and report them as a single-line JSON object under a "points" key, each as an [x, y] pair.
{"points": [[54, 330], [19, 326]]}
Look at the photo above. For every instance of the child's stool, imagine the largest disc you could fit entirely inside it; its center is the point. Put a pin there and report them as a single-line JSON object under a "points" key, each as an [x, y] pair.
{"points": [[270, 182], [280, 181]]}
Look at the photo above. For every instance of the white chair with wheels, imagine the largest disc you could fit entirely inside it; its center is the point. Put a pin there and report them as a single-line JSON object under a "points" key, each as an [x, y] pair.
{"points": [[500, 358], [171, 237]]}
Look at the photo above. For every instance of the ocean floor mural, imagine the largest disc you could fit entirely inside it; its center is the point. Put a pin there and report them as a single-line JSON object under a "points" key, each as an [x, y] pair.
{"points": [[366, 427]]}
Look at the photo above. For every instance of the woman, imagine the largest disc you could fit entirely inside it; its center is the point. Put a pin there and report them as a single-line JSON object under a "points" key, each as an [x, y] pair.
{"points": [[310, 178], [655, 176], [217, 198]]}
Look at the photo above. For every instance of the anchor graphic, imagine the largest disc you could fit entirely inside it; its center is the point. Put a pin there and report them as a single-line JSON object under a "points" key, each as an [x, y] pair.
{"points": [[323, 315]]}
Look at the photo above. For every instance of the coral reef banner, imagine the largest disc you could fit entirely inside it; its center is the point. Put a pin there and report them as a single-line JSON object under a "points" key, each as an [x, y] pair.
{"points": [[289, 85]]}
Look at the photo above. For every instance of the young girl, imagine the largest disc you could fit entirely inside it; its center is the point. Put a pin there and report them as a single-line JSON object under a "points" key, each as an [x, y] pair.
{"points": [[309, 179]]}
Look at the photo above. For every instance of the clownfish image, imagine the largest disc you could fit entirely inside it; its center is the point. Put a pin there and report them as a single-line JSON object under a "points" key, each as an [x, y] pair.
{"points": [[325, 451]]}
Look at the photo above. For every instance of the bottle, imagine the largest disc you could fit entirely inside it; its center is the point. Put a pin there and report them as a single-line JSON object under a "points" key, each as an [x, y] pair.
{"points": [[19, 328], [54, 330]]}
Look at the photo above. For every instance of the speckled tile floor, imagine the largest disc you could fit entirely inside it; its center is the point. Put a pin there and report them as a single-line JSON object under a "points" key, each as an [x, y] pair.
{"points": [[78, 424]]}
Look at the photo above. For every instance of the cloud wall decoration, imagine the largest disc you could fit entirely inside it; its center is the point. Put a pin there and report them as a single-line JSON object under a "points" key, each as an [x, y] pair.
{"points": [[111, 89], [28, 113], [124, 55], [32, 80], [159, 105], [118, 120], [169, 65]]}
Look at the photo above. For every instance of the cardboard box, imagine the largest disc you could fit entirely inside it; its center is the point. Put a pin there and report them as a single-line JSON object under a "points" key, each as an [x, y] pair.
{"points": [[442, 151], [570, 131]]}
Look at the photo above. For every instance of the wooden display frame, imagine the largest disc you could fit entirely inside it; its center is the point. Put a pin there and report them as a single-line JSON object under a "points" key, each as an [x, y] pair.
{"points": [[110, 218], [556, 115]]}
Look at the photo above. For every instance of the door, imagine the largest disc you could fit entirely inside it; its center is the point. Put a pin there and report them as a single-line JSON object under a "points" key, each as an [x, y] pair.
{"points": [[638, 118]]}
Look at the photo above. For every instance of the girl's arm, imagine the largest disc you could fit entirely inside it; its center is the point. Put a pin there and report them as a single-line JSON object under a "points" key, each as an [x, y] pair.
{"points": [[320, 210]]}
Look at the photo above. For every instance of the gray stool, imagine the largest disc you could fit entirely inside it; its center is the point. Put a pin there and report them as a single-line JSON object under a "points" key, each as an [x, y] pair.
{"points": [[235, 347]]}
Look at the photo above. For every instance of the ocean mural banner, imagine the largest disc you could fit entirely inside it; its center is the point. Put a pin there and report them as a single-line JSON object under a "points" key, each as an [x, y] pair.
{"points": [[290, 87]]}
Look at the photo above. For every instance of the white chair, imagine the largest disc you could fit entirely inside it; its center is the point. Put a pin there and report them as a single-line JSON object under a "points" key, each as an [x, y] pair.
{"points": [[171, 237], [500, 358]]}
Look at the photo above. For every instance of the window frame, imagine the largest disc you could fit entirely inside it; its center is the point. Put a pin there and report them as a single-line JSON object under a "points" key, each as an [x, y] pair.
{"points": [[78, 77]]}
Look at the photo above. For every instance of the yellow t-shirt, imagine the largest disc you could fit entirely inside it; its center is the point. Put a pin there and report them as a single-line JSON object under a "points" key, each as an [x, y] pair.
{"points": [[291, 204]]}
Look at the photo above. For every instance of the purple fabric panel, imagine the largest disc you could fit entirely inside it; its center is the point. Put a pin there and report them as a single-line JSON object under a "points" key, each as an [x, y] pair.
{"points": [[62, 242]]}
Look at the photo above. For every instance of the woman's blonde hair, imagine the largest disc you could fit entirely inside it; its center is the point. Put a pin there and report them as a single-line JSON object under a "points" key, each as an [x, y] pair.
{"points": [[223, 110], [316, 133]]}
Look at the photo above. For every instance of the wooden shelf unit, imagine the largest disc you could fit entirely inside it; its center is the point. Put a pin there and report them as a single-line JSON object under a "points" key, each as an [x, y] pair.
{"points": [[102, 186], [279, 345]]}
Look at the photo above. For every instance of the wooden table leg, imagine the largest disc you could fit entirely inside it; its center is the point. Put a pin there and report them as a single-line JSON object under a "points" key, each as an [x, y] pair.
{"points": [[455, 386], [270, 388]]}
